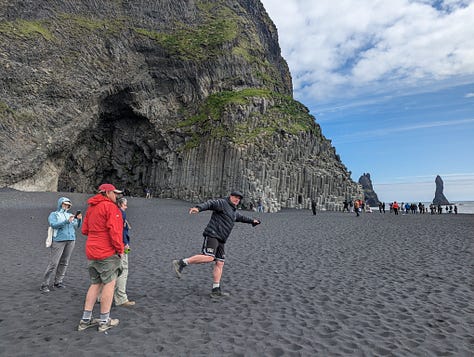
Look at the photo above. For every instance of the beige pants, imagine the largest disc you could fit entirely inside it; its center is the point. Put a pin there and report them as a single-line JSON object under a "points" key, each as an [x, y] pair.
{"points": [[120, 294]]}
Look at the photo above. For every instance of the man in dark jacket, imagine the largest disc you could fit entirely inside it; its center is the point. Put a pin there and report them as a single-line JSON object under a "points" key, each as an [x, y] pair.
{"points": [[215, 235]]}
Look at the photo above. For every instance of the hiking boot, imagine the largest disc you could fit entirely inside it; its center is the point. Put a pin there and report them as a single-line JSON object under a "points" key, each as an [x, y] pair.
{"points": [[217, 293], [178, 266], [104, 326], [44, 289], [127, 303], [85, 324], [59, 286]]}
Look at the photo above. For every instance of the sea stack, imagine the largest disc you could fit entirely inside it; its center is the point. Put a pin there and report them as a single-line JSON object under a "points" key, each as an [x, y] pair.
{"points": [[369, 194], [439, 198]]}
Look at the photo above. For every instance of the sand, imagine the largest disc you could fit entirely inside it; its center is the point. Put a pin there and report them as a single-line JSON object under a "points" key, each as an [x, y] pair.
{"points": [[301, 285]]}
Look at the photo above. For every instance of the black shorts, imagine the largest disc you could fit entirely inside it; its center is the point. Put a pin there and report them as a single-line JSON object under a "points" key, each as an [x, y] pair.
{"points": [[214, 248]]}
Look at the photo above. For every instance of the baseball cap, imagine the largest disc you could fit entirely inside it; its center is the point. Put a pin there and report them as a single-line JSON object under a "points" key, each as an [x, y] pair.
{"points": [[237, 194], [105, 187]]}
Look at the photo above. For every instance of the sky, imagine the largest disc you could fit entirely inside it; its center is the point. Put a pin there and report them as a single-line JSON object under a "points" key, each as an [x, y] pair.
{"points": [[391, 83]]}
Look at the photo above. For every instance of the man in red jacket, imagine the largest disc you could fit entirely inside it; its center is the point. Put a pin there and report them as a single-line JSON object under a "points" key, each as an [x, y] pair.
{"points": [[103, 227]]}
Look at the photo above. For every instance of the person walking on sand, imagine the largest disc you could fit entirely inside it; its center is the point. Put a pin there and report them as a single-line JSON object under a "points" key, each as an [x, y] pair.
{"points": [[120, 294], [395, 207], [103, 226], [64, 225], [218, 229], [356, 207], [346, 206], [313, 206]]}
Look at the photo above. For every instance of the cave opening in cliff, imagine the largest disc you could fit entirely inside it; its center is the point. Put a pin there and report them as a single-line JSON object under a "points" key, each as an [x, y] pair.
{"points": [[119, 148]]}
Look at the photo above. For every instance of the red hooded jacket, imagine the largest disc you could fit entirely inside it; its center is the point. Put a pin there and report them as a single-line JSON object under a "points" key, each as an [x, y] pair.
{"points": [[103, 226]]}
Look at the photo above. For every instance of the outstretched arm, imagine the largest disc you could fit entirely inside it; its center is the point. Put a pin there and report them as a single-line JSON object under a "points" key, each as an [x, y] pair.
{"points": [[213, 205], [244, 219]]}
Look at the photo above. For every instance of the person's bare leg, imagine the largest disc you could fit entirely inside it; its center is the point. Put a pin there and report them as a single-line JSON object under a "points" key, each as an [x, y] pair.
{"points": [[216, 286], [217, 272], [107, 297], [178, 265], [199, 258], [91, 296]]}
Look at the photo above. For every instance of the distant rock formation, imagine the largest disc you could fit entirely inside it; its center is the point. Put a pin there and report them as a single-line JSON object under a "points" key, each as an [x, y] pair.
{"points": [[439, 198], [369, 193]]}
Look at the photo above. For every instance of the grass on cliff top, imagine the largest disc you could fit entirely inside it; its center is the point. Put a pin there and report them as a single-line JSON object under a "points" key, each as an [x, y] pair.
{"points": [[25, 28], [110, 26], [286, 115], [70, 23], [219, 25]]}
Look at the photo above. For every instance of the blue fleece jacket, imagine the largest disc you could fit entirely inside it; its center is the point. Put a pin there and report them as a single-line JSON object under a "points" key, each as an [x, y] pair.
{"points": [[59, 221]]}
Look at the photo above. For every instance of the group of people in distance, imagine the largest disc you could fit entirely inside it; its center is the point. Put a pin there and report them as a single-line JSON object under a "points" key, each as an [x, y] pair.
{"points": [[413, 208], [405, 208], [108, 243]]}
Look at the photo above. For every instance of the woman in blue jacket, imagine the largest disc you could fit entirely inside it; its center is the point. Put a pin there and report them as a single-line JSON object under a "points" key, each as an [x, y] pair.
{"points": [[64, 225]]}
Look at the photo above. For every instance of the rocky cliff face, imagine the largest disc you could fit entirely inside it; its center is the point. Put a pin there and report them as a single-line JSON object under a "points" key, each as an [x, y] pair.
{"points": [[440, 198], [369, 194], [189, 98]]}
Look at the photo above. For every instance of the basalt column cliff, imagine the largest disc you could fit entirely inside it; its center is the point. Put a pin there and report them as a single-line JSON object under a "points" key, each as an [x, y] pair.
{"points": [[188, 98]]}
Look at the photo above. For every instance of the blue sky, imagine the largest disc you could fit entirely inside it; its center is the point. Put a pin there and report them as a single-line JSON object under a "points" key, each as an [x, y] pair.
{"points": [[392, 85]]}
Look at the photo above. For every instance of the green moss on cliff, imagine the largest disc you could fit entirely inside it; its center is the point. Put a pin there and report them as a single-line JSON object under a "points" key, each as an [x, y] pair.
{"points": [[9, 115], [71, 24], [218, 26], [5, 109], [26, 28], [285, 116], [78, 24]]}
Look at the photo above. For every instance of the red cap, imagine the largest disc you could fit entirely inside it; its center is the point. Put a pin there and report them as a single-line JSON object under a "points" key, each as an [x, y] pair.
{"points": [[105, 187]]}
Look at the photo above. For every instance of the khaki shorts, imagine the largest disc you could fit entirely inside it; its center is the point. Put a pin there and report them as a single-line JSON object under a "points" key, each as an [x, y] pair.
{"points": [[106, 270]]}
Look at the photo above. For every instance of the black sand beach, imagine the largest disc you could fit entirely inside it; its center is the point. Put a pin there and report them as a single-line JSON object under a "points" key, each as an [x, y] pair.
{"points": [[302, 285]]}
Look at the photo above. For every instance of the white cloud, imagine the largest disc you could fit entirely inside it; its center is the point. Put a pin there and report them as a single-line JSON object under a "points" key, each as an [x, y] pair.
{"points": [[351, 45], [469, 95]]}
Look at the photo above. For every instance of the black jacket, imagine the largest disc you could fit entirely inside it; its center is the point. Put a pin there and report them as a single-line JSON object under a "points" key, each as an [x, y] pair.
{"points": [[223, 217]]}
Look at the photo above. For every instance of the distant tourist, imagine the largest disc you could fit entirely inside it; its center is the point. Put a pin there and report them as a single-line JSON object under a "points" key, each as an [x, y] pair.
{"points": [[368, 209], [421, 207], [407, 208], [346, 206], [356, 207], [120, 293], [260, 207], [313, 206], [216, 233], [395, 207], [455, 209], [64, 226]]}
